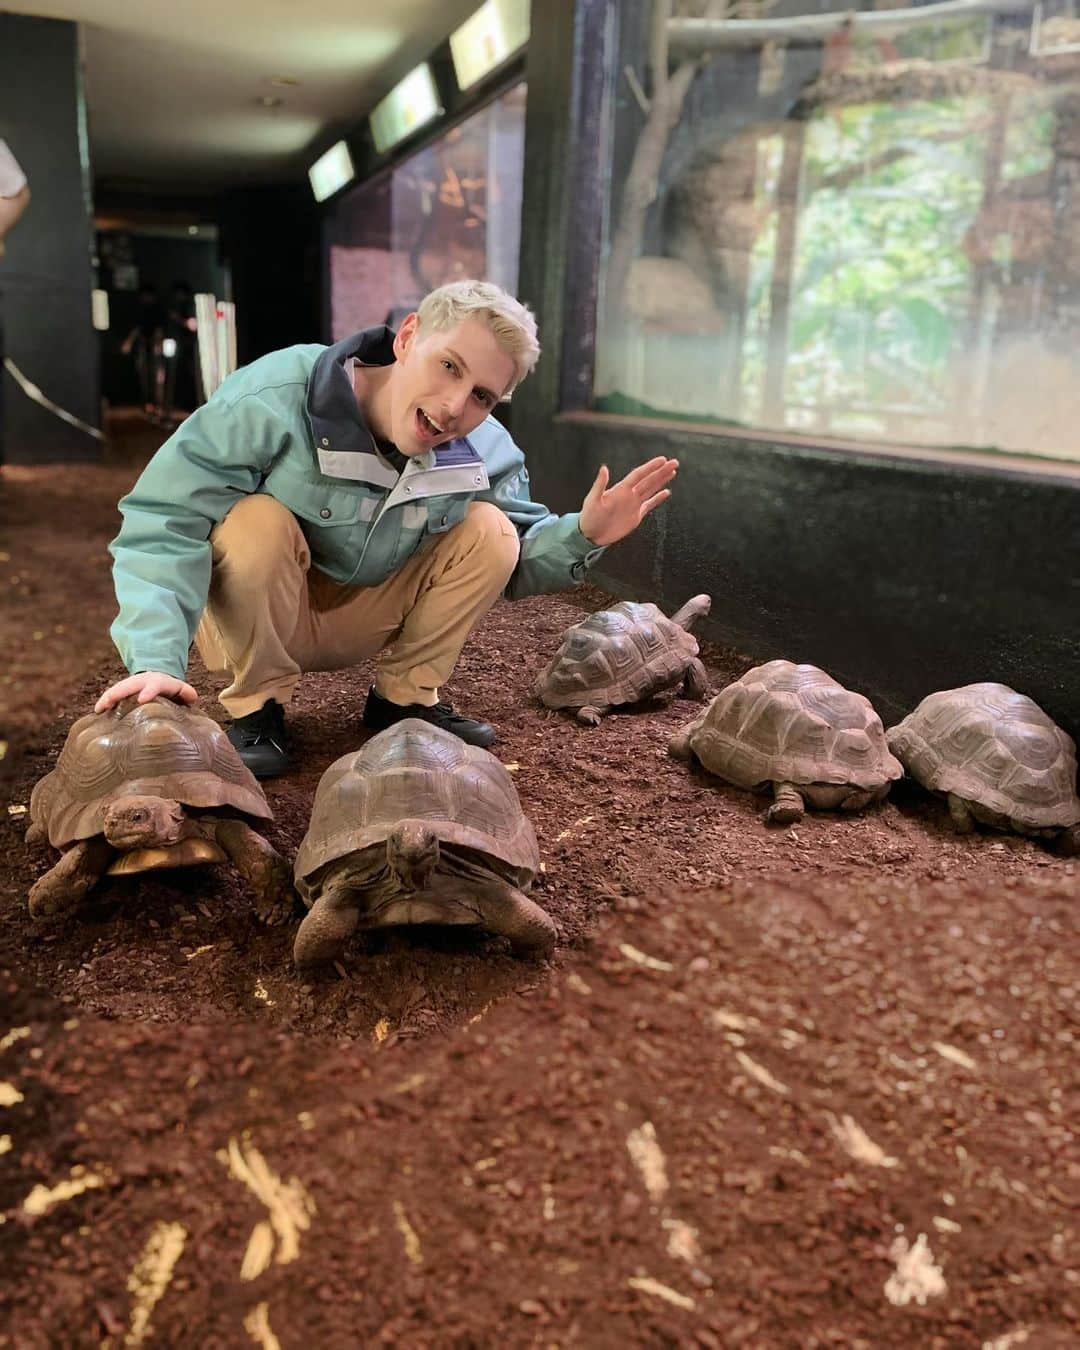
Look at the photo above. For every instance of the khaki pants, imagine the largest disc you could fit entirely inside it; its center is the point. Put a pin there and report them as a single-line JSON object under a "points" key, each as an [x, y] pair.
{"points": [[270, 616]]}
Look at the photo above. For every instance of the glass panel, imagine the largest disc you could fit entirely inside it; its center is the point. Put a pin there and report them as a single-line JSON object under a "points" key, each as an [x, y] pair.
{"points": [[450, 211], [850, 222]]}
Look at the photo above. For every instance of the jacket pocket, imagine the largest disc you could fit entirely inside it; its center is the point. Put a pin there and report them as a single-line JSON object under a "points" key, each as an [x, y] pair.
{"points": [[443, 513], [320, 503]]}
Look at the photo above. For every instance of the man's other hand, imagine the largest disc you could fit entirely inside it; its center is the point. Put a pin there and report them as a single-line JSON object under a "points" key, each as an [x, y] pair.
{"points": [[609, 514], [147, 684]]}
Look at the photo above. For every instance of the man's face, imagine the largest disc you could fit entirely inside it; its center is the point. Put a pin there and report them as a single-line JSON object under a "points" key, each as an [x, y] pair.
{"points": [[444, 383]]}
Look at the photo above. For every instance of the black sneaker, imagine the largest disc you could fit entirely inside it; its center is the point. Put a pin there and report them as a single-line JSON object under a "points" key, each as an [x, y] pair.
{"points": [[260, 740], [380, 713]]}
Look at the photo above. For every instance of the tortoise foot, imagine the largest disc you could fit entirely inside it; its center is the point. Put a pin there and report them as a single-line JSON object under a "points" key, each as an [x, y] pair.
{"points": [[326, 929], [275, 902], [261, 866], [788, 807], [50, 901], [531, 930], [590, 716], [62, 889]]}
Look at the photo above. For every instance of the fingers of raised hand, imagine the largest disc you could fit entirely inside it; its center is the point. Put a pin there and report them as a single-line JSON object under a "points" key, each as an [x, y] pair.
{"points": [[655, 501], [650, 477]]}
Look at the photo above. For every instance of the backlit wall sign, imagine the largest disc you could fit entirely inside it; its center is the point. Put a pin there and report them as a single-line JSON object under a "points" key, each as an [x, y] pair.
{"points": [[495, 32], [331, 171], [411, 103]]}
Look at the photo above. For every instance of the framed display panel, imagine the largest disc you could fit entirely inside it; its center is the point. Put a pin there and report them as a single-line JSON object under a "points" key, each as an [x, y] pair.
{"points": [[450, 211]]}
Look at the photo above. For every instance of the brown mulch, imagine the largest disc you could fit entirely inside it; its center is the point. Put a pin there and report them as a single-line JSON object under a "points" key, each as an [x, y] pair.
{"points": [[760, 1066]]}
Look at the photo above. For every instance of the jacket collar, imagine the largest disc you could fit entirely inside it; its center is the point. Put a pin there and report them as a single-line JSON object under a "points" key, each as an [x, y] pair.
{"points": [[336, 420], [344, 444]]}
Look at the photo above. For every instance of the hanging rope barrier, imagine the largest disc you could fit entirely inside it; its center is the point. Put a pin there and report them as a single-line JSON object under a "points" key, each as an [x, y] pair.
{"points": [[32, 391]]}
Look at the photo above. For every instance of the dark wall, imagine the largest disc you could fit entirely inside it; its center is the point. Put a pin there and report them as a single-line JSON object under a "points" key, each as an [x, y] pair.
{"points": [[270, 241], [45, 275], [897, 575]]}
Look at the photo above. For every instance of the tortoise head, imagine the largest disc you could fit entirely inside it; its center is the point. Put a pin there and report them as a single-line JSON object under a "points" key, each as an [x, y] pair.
{"points": [[142, 822], [412, 850]]}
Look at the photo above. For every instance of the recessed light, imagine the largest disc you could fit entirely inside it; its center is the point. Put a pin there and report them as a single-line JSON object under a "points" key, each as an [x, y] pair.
{"points": [[269, 101]]}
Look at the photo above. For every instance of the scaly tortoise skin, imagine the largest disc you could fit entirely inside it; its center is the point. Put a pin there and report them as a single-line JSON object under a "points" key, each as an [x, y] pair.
{"points": [[624, 655], [144, 786], [997, 758], [793, 729], [417, 827]]}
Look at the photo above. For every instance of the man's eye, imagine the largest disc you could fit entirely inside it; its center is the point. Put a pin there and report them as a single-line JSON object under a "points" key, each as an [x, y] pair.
{"points": [[483, 398], [448, 365]]}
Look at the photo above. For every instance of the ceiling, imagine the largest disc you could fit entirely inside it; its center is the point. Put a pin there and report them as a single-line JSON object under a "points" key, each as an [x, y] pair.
{"points": [[174, 89]]}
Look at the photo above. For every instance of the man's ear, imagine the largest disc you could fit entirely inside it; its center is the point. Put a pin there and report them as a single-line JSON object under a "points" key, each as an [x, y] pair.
{"points": [[406, 334]]}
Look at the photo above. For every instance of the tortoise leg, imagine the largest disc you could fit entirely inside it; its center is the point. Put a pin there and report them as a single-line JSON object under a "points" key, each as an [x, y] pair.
{"points": [[505, 910], [696, 680], [591, 715], [328, 925], [961, 815], [1069, 841], [261, 866], [855, 801], [788, 807], [679, 745], [64, 886], [35, 834]]}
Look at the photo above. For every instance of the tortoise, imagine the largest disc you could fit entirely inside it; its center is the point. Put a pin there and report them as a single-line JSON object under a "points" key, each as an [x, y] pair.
{"points": [[417, 827], [144, 786], [623, 655], [997, 758], [792, 729]]}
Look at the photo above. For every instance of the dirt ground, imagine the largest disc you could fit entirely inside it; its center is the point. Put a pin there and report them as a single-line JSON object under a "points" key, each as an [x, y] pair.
{"points": [[813, 1087]]}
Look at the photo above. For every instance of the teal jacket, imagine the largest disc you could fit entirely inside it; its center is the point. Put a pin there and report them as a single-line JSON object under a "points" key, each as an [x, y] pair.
{"points": [[289, 425]]}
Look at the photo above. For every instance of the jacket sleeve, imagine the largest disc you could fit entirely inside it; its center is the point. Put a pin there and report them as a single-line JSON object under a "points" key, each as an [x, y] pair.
{"points": [[161, 568], [554, 552]]}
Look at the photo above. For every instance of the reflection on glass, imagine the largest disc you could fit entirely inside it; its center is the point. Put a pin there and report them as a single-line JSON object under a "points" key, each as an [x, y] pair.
{"points": [[451, 211], [862, 225]]}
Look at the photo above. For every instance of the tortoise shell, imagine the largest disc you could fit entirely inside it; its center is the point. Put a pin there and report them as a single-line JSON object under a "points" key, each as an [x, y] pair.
{"points": [[416, 771], [789, 723], [154, 749], [618, 655], [990, 745]]}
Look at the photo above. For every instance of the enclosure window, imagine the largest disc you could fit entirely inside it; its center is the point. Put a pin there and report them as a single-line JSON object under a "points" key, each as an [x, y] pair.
{"points": [[450, 211], [854, 222]]}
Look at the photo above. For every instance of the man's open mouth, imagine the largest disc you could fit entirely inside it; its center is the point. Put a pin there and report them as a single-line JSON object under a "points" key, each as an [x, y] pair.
{"points": [[428, 429]]}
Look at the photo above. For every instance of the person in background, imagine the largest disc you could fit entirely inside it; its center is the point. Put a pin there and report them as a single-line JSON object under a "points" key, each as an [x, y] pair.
{"points": [[181, 395], [14, 199], [328, 504], [143, 345]]}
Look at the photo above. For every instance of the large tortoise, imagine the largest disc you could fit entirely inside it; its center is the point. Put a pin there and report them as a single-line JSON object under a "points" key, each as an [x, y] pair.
{"points": [[623, 655], [793, 730], [417, 827], [151, 785], [997, 758]]}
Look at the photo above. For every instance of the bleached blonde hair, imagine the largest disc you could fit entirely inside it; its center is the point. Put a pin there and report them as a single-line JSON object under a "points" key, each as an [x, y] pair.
{"points": [[509, 322]]}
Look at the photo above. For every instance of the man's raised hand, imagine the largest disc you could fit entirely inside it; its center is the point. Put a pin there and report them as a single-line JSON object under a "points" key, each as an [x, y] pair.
{"points": [[609, 514]]}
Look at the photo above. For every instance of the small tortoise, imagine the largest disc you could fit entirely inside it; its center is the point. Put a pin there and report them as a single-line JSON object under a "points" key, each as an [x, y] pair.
{"points": [[623, 655], [794, 730], [997, 758], [145, 786], [417, 827]]}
